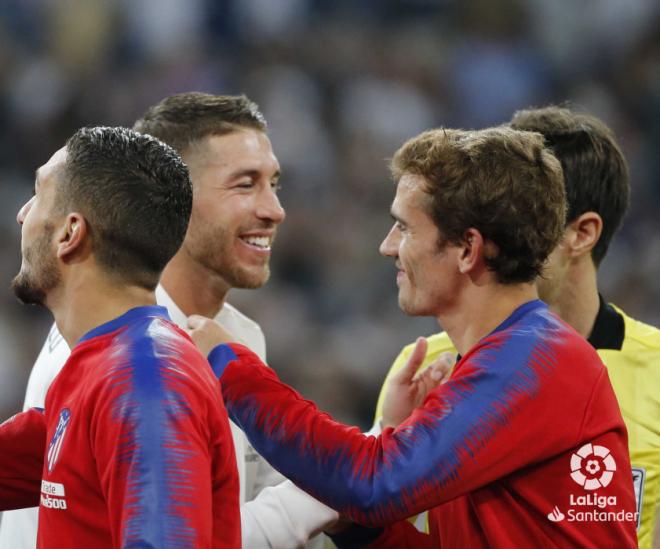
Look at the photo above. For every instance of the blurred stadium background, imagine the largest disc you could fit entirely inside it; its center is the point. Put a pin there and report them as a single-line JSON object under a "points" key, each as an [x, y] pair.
{"points": [[342, 83]]}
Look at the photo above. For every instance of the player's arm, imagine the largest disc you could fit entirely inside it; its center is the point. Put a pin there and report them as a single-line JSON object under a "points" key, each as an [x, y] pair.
{"points": [[283, 516], [436, 455], [151, 438], [393, 536], [22, 446]]}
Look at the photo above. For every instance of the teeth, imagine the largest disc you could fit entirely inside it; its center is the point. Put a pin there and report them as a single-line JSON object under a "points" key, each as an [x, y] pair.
{"points": [[259, 241]]}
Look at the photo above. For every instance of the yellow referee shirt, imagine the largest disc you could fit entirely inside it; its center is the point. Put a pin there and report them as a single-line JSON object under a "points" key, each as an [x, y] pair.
{"points": [[631, 351]]}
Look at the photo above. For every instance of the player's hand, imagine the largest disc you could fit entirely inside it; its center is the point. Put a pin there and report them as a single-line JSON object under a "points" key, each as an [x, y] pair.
{"points": [[408, 388], [341, 524], [207, 333]]}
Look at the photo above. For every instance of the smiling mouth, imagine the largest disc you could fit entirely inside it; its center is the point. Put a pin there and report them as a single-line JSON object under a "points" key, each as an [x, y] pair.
{"points": [[261, 242]]}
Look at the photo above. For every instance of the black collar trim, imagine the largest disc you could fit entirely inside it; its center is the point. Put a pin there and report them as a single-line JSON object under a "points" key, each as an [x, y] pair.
{"points": [[609, 328]]}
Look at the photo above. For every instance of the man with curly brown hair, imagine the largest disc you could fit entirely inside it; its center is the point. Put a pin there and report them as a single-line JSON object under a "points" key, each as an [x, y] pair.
{"points": [[528, 419]]}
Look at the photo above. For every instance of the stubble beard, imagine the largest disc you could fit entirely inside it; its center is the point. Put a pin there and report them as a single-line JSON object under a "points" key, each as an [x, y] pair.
{"points": [[32, 284], [406, 302], [407, 308], [214, 252]]}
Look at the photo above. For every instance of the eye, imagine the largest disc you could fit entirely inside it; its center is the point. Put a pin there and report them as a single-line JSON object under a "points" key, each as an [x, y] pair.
{"points": [[247, 184], [400, 226], [276, 186]]}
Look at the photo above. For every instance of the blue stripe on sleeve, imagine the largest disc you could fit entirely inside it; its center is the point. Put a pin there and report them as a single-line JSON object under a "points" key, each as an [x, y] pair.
{"points": [[219, 357], [157, 483]]}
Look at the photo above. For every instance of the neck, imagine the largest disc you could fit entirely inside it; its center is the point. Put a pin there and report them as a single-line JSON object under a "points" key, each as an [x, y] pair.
{"points": [[194, 288], [576, 301], [480, 309], [88, 301]]}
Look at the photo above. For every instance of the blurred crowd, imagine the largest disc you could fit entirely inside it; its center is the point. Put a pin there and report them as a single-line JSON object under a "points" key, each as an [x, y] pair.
{"points": [[342, 83]]}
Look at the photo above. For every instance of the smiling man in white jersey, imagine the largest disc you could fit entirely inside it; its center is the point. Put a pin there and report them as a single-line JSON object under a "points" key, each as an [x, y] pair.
{"points": [[235, 216]]}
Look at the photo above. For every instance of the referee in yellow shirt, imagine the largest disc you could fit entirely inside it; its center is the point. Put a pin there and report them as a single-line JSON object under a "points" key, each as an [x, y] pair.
{"points": [[597, 190]]}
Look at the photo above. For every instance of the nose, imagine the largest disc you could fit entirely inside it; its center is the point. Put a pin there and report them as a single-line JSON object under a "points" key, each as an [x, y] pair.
{"points": [[389, 247], [269, 207], [22, 213]]}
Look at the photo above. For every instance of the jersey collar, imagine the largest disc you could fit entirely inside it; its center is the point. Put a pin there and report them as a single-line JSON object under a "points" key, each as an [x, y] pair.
{"points": [[128, 317], [609, 328], [517, 314]]}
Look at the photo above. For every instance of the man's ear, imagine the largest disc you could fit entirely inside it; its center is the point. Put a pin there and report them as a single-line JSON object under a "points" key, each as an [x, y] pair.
{"points": [[582, 234], [472, 250], [72, 236]]}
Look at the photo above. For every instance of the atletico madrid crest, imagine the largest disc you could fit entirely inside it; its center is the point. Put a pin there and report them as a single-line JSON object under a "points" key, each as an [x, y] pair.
{"points": [[58, 438]]}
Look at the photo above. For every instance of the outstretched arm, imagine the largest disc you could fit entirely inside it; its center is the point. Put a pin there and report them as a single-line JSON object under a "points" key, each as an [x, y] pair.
{"points": [[22, 446], [458, 440]]}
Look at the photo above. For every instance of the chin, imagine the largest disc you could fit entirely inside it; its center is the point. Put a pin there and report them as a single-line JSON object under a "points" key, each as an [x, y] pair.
{"points": [[251, 280], [26, 291], [407, 307]]}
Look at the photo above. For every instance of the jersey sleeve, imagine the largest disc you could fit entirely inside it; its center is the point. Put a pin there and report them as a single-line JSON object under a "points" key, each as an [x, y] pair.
{"points": [[394, 536], [459, 440], [22, 446], [152, 434]]}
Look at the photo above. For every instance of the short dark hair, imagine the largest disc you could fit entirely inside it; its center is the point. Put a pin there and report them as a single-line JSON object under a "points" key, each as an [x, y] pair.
{"points": [[502, 182], [184, 118], [136, 195], [595, 170]]}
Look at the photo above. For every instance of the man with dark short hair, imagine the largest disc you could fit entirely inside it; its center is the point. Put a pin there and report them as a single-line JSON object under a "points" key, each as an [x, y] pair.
{"points": [[493, 452], [597, 194], [139, 450], [234, 221]]}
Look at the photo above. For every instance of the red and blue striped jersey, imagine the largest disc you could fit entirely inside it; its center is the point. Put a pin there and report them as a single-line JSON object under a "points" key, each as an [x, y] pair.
{"points": [[138, 447], [523, 446]]}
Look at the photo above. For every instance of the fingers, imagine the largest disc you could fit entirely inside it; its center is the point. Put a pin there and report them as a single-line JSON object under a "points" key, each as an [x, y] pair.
{"points": [[434, 374], [415, 360], [195, 321], [440, 369]]}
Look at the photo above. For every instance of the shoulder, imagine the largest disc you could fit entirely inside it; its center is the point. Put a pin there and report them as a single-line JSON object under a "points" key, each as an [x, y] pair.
{"points": [[165, 343], [541, 341], [639, 335], [437, 344], [149, 361], [243, 327]]}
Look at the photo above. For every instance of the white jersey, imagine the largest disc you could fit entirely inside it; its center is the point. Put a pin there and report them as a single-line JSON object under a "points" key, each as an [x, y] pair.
{"points": [[283, 516]]}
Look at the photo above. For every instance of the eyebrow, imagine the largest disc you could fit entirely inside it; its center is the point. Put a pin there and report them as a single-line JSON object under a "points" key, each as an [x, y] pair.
{"points": [[254, 174], [397, 218]]}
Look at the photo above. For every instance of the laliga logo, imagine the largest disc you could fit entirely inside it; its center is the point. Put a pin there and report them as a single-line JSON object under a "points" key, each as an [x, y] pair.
{"points": [[592, 467]]}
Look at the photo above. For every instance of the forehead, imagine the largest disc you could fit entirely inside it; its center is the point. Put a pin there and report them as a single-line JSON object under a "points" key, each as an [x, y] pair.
{"points": [[249, 149], [410, 195], [53, 167]]}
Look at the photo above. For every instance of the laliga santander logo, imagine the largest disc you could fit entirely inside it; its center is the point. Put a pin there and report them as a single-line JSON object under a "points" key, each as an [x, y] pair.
{"points": [[592, 467]]}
